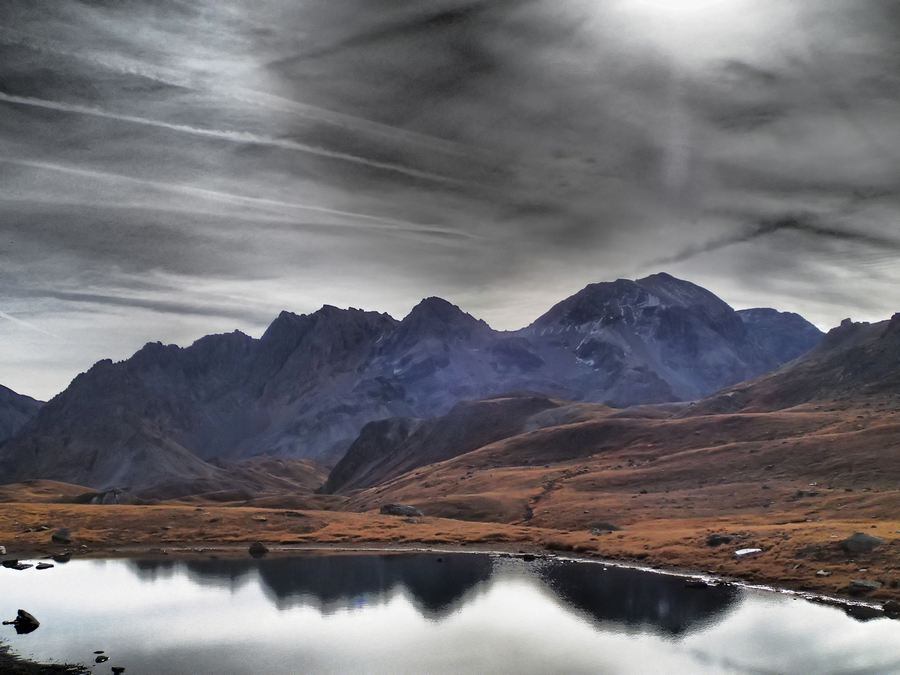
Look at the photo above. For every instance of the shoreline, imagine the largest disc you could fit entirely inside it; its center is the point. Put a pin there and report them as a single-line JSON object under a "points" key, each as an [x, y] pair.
{"points": [[794, 551], [13, 664], [239, 551]]}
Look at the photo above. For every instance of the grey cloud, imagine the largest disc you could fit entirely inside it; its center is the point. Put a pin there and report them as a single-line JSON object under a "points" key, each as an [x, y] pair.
{"points": [[177, 156], [801, 224]]}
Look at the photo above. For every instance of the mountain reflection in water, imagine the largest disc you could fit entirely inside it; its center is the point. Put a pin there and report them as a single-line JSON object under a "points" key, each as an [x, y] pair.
{"points": [[438, 613], [438, 584]]}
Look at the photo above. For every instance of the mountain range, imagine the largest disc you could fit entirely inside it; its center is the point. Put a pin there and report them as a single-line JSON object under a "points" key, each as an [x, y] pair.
{"points": [[308, 386], [815, 434]]}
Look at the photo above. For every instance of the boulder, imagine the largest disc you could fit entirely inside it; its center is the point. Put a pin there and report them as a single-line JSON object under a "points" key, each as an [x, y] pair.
{"points": [[61, 536], [2, 550], [400, 510], [258, 549], [891, 609], [862, 586], [860, 542], [16, 565], [24, 622], [63, 557], [718, 539]]}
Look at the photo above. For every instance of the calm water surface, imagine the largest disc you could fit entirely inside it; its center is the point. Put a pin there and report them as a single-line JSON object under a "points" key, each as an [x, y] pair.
{"points": [[410, 613]]}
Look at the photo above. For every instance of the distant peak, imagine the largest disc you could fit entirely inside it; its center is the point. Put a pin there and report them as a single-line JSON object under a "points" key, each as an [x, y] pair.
{"points": [[436, 306], [662, 276]]}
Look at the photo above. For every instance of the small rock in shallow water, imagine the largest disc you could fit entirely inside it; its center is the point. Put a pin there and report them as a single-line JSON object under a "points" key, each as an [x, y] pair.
{"points": [[118, 669], [2, 550], [63, 557], [24, 623], [892, 609], [16, 565], [43, 566], [258, 549], [101, 659]]}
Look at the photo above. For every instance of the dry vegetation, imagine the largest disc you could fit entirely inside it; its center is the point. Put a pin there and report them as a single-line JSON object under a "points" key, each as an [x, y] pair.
{"points": [[793, 483]]}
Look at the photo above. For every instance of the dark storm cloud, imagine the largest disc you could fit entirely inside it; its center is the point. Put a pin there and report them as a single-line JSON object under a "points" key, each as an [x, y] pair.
{"points": [[173, 168], [800, 224]]}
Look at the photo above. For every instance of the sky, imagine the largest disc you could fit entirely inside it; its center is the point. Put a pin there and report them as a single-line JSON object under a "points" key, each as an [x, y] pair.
{"points": [[173, 168]]}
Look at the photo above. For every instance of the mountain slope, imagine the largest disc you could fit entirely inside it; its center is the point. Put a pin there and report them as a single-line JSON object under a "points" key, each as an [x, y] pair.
{"points": [[308, 385], [854, 361], [782, 335], [15, 411], [389, 448]]}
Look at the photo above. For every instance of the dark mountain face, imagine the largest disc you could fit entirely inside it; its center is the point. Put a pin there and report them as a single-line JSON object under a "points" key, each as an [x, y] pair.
{"points": [[311, 382], [854, 360], [782, 335], [388, 448], [660, 339], [15, 411]]}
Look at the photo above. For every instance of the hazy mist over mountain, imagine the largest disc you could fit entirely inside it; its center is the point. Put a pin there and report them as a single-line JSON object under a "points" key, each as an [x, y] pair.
{"points": [[172, 168]]}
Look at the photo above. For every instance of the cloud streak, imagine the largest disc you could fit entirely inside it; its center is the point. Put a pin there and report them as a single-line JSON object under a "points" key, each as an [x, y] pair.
{"points": [[379, 222], [26, 324], [243, 137], [799, 224], [200, 83]]}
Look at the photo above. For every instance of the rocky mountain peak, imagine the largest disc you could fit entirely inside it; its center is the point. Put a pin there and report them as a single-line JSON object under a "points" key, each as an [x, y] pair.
{"points": [[312, 381], [435, 317]]}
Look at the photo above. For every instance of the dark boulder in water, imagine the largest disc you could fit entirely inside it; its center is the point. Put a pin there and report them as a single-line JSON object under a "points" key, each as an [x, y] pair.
{"points": [[258, 549], [891, 609], [24, 622]]}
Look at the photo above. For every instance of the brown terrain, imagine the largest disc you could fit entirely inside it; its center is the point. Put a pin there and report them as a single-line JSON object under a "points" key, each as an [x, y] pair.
{"points": [[772, 464], [794, 483]]}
